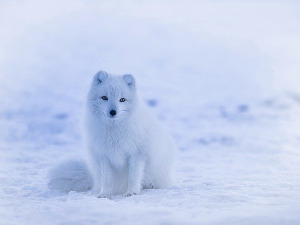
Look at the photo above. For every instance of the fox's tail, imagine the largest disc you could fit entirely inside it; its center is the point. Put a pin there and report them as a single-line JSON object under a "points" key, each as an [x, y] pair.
{"points": [[71, 176]]}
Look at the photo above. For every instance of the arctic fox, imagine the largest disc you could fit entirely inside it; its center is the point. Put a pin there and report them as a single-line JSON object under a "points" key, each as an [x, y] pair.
{"points": [[127, 149]]}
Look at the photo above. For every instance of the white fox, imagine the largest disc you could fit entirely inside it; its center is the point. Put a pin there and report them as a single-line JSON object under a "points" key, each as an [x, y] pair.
{"points": [[127, 149]]}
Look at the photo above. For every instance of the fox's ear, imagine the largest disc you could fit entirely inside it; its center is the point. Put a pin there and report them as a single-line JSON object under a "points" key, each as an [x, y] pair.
{"points": [[129, 79], [101, 76]]}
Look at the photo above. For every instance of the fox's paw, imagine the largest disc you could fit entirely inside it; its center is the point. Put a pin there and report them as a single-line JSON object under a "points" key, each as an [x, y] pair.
{"points": [[128, 194], [104, 196], [148, 186]]}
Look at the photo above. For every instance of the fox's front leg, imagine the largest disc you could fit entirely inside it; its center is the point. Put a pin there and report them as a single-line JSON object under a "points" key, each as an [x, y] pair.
{"points": [[135, 175], [106, 185]]}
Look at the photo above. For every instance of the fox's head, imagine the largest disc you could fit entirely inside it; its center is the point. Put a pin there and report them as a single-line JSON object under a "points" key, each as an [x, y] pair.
{"points": [[112, 97]]}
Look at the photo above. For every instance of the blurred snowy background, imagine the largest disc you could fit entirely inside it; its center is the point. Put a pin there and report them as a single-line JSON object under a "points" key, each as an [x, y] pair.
{"points": [[222, 76]]}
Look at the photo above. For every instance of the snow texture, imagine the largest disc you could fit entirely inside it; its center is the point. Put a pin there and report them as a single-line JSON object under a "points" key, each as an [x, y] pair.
{"points": [[221, 76]]}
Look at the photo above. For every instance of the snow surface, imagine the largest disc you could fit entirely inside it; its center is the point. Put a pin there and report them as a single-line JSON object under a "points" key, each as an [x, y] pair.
{"points": [[221, 76]]}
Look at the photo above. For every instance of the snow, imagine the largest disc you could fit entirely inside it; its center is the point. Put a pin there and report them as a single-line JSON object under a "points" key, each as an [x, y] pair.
{"points": [[221, 76]]}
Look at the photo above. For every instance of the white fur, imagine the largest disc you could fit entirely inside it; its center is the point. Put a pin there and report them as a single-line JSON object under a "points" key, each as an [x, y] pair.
{"points": [[72, 175], [127, 152]]}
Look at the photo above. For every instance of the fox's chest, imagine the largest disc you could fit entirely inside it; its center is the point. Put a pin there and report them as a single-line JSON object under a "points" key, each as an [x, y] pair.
{"points": [[121, 140], [119, 145]]}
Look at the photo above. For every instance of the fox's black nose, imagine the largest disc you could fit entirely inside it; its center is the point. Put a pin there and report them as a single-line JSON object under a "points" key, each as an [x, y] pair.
{"points": [[112, 112]]}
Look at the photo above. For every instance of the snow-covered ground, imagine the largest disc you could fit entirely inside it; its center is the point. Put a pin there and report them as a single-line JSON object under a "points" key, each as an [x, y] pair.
{"points": [[222, 77]]}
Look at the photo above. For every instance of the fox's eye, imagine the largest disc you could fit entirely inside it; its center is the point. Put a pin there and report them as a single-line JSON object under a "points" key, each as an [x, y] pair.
{"points": [[104, 98], [122, 100]]}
